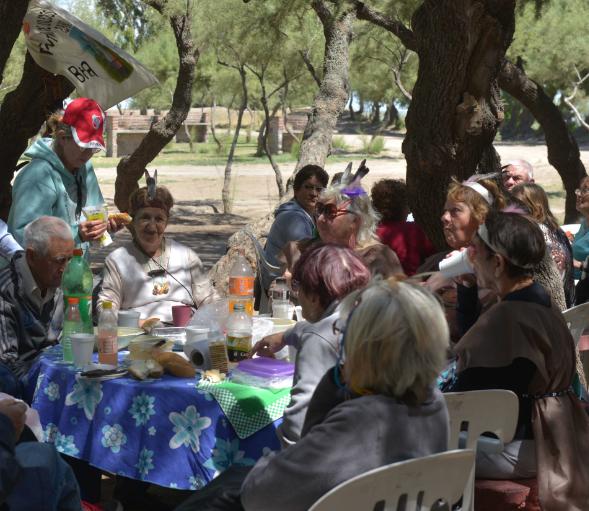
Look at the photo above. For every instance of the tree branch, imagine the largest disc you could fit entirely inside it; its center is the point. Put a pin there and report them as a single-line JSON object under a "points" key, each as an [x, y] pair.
{"points": [[320, 7], [310, 67], [395, 27], [569, 99]]}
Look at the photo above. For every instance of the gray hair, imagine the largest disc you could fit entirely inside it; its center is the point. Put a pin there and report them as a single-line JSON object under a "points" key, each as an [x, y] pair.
{"points": [[361, 206], [523, 164], [38, 233], [396, 339]]}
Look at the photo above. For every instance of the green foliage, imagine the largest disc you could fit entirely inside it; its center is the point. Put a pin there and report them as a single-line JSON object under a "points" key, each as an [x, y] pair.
{"points": [[339, 143], [372, 145], [554, 43]]}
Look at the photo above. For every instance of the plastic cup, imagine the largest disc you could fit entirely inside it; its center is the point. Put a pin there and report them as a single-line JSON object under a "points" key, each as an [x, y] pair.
{"points": [[128, 318], [457, 264], [181, 314], [82, 348]]}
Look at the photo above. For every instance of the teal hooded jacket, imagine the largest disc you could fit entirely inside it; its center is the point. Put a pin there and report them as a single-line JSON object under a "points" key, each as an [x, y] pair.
{"points": [[46, 187]]}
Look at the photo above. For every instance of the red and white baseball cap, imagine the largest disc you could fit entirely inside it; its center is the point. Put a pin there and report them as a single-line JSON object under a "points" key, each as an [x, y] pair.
{"points": [[86, 118]]}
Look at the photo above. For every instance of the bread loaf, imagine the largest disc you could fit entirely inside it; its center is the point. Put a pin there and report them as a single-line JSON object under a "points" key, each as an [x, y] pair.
{"points": [[121, 218], [175, 365]]}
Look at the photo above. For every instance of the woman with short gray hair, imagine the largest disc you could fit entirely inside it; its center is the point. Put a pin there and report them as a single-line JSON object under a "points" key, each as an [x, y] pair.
{"points": [[380, 408]]}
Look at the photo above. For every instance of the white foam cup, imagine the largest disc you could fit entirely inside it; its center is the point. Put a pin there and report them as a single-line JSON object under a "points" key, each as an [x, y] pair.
{"points": [[128, 318], [82, 348], [457, 264]]}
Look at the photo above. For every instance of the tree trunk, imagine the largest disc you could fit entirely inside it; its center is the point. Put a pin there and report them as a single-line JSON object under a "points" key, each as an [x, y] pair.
{"points": [[23, 112], [456, 108], [213, 132], [226, 193], [375, 113], [248, 136], [333, 93], [275, 167], [131, 168], [260, 142], [563, 151], [351, 108], [392, 115]]}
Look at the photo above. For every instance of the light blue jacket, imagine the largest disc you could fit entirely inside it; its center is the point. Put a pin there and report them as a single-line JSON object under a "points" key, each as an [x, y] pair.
{"points": [[46, 187]]}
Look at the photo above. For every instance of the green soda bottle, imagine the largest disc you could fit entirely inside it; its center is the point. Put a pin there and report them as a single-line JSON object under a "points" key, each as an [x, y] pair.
{"points": [[76, 282]]}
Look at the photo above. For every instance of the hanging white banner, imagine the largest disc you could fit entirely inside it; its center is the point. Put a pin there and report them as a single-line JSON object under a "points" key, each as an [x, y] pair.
{"points": [[64, 45]]}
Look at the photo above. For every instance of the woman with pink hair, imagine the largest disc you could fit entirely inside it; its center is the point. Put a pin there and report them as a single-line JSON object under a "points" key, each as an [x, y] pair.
{"points": [[323, 275]]}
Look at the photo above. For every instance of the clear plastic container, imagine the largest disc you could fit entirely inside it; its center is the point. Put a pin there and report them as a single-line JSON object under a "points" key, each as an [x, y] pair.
{"points": [[241, 284], [263, 372], [239, 334], [72, 324], [107, 335], [280, 296]]}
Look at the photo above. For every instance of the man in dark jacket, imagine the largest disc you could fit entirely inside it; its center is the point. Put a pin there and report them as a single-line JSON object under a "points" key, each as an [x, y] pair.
{"points": [[27, 297]]}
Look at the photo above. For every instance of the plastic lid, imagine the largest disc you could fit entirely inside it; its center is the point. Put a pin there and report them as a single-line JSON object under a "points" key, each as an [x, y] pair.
{"points": [[73, 299], [266, 367], [78, 252], [107, 305]]}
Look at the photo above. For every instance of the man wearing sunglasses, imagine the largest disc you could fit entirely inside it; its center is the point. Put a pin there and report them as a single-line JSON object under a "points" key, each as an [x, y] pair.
{"points": [[294, 220], [27, 297]]}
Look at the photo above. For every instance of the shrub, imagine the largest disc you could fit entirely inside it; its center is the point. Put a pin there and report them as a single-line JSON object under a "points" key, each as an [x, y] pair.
{"points": [[372, 145]]}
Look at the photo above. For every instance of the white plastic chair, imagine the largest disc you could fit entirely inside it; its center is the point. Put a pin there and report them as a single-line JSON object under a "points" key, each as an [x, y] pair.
{"points": [[476, 412], [481, 411], [413, 485], [577, 319]]}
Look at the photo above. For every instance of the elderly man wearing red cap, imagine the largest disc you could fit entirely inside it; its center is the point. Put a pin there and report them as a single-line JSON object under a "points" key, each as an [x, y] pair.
{"points": [[60, 180]]}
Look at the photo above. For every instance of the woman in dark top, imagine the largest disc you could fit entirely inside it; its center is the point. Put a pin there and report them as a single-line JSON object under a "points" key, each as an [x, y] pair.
{"points": [[523, 344]]}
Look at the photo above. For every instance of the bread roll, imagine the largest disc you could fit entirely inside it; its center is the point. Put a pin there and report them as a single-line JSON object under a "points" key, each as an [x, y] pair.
{"points": [[121, 218], [175, 364]]}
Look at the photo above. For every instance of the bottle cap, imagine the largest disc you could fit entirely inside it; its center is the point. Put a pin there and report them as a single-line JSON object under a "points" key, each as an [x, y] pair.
{"points": [[78, 252], [73, 299], [107, 305]]}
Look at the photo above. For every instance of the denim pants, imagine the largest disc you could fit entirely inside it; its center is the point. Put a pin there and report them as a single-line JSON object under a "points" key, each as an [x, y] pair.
{"points": [[46, 482]]}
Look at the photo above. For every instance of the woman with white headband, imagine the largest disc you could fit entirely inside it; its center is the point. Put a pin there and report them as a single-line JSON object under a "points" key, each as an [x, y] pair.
{"points": [[523, 344]]}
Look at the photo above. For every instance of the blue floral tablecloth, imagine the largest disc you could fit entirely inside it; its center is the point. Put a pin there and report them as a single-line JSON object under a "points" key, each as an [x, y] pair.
{"points": [[163, 431]]}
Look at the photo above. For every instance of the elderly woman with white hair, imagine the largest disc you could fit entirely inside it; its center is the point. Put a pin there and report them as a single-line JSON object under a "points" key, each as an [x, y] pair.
{"points": [[381, 406], [344, 216]]}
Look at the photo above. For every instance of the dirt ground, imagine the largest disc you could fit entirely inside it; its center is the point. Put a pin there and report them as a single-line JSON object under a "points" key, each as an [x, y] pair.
{"points": [[197, 218]]}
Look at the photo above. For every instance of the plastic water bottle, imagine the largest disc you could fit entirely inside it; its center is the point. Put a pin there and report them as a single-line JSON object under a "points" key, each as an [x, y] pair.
{"points": [[280, 296], [239, 333], [107, 335], [76, 282], [72, 324], [241, 285]]}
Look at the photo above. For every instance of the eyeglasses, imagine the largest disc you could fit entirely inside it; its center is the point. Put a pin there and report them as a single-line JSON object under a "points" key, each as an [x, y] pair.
{"points": [[581, 191], [331, 211]]}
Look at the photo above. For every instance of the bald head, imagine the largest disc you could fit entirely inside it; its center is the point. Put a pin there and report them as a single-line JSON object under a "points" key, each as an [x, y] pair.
{"points": [[516, 172]]}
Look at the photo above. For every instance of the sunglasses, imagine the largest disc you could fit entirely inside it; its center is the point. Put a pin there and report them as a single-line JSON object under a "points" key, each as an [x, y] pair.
{"points": [[331, 211]]}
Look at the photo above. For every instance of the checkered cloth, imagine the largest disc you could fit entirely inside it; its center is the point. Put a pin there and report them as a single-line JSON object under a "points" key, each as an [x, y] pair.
{"points": [[247, 408]]}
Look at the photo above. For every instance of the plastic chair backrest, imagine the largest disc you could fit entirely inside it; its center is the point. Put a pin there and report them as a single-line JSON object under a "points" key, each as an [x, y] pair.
{"points": [[410, 485], [481, 411], [577, 318]]}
